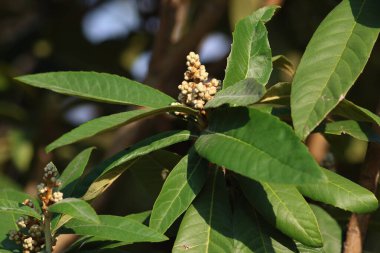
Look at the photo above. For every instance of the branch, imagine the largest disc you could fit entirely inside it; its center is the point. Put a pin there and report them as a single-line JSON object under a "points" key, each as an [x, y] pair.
{"points": [[369, 178]]}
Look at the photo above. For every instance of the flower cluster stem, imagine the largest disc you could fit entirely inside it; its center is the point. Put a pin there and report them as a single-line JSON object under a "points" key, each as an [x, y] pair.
{"points": [[47, 232]]}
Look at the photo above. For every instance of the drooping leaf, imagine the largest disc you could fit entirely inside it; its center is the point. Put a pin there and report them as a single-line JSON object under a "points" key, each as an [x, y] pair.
{"points": [[244, 92], [268, 149], [180, 188], [251, 56], [114, 228], [76, 208], [341, 192], [14, 207], [252, 233], [207, 224], [330, 229], [99, 125], [70, 176], [353, 128], [277, 94], [280, 205], [352, 111], [283, 63], [333, 60], [103, 243], [99, 86], [108, 171]]}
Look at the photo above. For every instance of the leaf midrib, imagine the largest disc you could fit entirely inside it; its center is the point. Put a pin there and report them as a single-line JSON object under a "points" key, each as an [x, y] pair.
{"points": [[291, 213], [333, 70], [178, 192]]}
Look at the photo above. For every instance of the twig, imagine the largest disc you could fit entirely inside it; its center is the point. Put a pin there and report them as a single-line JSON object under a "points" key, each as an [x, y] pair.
{"points": [[47, 232]]}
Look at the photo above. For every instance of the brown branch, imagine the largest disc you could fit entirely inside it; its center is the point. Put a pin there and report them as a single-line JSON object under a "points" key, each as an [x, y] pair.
{"points": [[369, 178]]}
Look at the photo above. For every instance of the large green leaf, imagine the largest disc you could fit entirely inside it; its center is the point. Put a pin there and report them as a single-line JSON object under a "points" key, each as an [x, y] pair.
{"points": [[14, 207], [252, 233], [114, 228], [330, 229], [99, 125], [280, 205], [333, 60], [268, 149], [353, 128], [352, 111], [76, 208], [207, 224], [70, 176], [341, 192], [99, 86], [103, 243], [244, 92], [251, 56], [108, 171], [180, 188]]}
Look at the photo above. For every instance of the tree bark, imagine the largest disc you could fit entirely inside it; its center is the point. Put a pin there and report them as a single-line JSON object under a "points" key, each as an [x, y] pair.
{"points": [[369, 178]]}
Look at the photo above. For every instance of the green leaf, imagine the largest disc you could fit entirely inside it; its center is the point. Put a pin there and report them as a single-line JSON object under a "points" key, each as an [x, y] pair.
{"points": [[108, 171], [341, 192], [330, 229], [333, 60], [353, 128], [101, 124], [76, 208], [283, 63], [180, 188], [106, 244], [100, 87], [349, 110], [14, 207], [70, 176], [268, 149], [280, 205], [251, 56], [207, 224], [252, 233], [244, 92], [19, 196], [115, 228]]}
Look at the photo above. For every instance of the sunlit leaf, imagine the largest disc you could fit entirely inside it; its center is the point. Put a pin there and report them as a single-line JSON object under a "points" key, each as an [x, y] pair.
{"points": [[333, 60], [76, 208], [99, 86], [207, 224], [244, 92], [341, 192], [280, 205], [180, 188], [268, 149], [251, 55]]}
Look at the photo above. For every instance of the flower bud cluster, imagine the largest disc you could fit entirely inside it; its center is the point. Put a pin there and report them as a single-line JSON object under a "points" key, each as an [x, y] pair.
{"points": [[196, 89], [48, 190], [31, 234]]}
